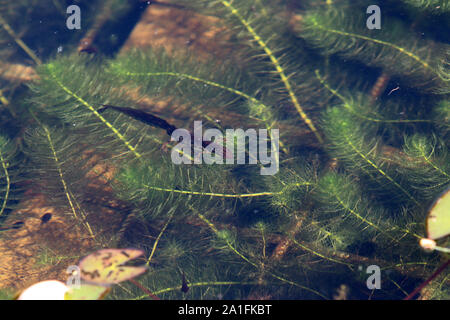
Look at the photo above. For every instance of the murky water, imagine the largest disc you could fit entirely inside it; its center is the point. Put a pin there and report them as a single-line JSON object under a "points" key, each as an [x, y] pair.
{"points": [[247, 149]]}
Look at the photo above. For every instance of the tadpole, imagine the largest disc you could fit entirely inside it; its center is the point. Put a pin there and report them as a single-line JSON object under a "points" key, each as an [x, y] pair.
{"points": [[45, 218]]}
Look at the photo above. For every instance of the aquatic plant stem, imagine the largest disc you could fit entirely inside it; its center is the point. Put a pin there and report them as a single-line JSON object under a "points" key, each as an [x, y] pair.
{"points": [[158, 238], [284, 244], [224, 195], [63, 181], [51, 69], [216, 231], [381, 171], [211, 194], [320, 255], [19, 41], [426, 282], [200, 284], [148, 292], [348, 107], [379, 86], [8, 182], [100, 19], [3, 99], [70, 198], [377, 41], [279, 69], [58, 168]]}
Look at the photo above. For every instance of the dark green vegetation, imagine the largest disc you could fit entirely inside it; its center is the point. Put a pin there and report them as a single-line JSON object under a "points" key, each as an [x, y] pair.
{"points": [[364, 136]]}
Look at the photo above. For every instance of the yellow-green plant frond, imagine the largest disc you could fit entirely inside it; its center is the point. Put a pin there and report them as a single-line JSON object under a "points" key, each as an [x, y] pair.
{"points": [[435, 6], [414, 61]]}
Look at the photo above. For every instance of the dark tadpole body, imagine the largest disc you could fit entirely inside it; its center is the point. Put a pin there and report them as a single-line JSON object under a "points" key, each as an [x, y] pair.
{"points": [[46, 217], [155, 121], [88, 50], [142, 116], [184, 284]]}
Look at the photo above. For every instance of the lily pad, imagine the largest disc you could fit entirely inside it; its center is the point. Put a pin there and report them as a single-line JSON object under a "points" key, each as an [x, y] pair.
{"points": [[45, 290], [438, 221], [106, 267], [86, 292]]}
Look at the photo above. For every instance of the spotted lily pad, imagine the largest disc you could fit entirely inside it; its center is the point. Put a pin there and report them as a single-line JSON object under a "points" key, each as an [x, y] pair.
{"points": [[86, 292], [106, 267], [438, 221]]}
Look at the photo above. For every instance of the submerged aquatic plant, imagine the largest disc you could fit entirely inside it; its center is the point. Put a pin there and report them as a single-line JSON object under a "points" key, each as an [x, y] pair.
{"points": [[358, 167]]}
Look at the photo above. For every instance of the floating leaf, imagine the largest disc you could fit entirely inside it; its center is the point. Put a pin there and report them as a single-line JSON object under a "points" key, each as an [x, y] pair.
{"points": [[106, 266], [45, 290], [438, 221], [86, 292]]}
